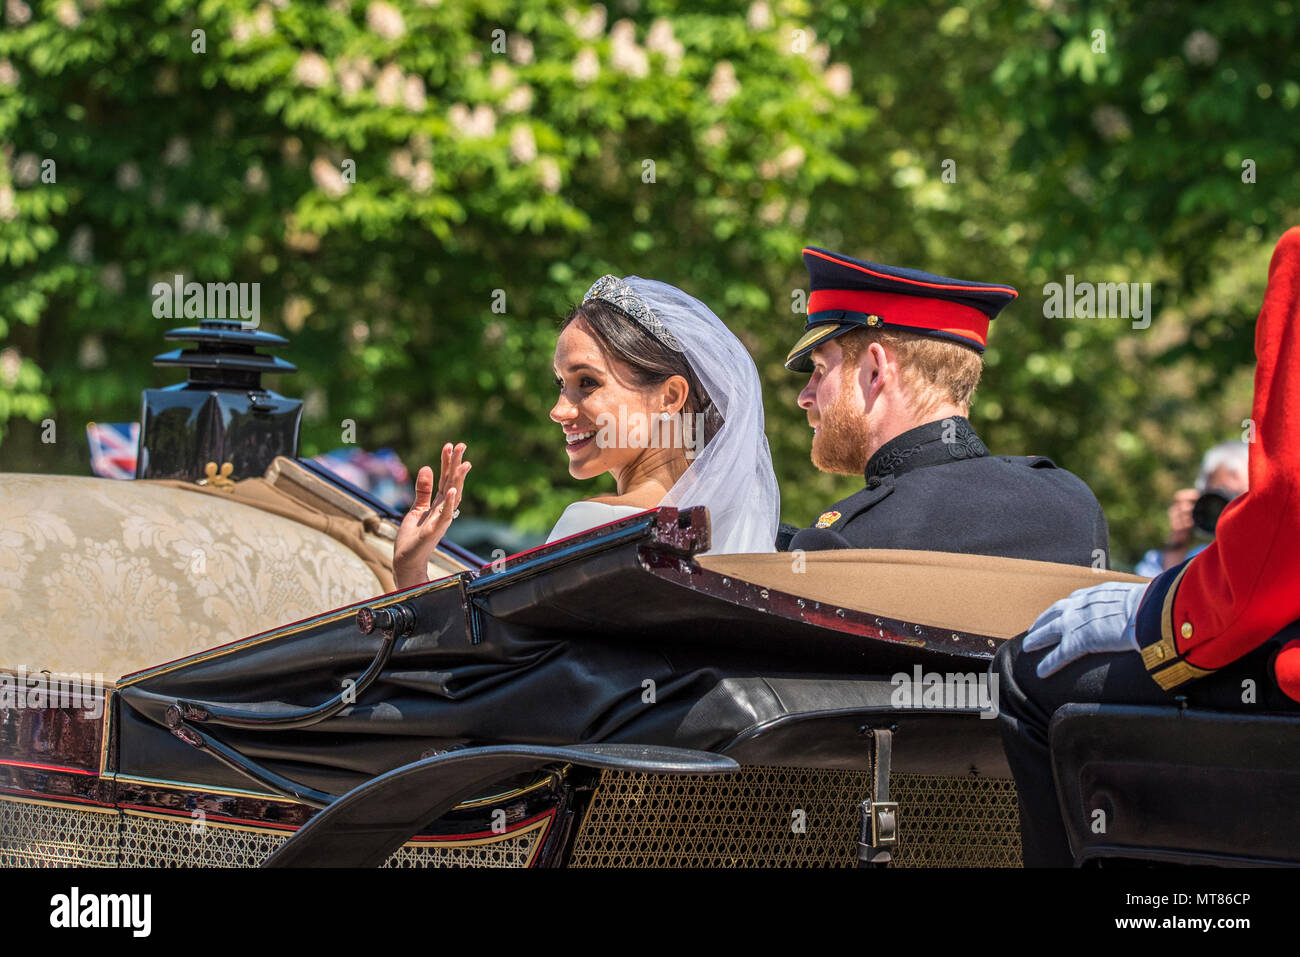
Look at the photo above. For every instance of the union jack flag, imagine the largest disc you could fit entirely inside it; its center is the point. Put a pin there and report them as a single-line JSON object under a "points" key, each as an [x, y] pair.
{"points": [[381, 473], [112, 448]]}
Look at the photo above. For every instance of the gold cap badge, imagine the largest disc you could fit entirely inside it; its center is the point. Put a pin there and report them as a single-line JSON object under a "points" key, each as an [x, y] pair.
{"points": [[828, 519]]}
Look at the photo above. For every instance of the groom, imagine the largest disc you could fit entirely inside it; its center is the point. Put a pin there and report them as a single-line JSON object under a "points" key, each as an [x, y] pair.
{"points": [[894, 356]]}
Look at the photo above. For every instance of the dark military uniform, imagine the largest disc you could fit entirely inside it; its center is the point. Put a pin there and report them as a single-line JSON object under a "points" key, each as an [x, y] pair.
{"points": [[926, 493], [936, 487]]}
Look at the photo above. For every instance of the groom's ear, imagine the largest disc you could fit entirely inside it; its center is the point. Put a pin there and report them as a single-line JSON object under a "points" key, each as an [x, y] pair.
{"points": [[873, 361]]}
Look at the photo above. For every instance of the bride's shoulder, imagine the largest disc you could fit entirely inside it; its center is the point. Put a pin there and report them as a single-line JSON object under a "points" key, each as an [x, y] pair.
{"points": [[590, 513], [645, 501]]}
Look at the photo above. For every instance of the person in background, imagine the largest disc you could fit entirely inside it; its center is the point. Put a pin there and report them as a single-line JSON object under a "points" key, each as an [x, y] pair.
{"points": [[1223, 477]]}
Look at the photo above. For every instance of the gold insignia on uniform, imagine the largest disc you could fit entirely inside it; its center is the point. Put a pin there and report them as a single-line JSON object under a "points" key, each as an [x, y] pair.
{"points": [[828, 519], [874, 320]]}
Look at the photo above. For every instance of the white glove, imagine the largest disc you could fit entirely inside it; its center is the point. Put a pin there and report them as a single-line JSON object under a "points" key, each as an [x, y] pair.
{"points": [[1098, 619]]}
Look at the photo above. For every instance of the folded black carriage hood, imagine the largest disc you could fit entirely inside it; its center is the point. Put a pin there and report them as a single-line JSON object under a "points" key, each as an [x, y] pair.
{"points": [[615, 635]]}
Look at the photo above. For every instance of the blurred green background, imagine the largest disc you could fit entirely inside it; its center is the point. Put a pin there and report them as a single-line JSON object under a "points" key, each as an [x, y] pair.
{"points": [[508, 146]]}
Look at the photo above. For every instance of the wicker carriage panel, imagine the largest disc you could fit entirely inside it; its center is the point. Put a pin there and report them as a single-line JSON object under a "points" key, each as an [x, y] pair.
{"points": [[150, 840], [792, 817], [52, 834], [635, 820], [516, 849], [153, 840], [48, 834], [751, 818], [956, 821]]}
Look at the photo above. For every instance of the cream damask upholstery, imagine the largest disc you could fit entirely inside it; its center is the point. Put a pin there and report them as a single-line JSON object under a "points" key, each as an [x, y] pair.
{"points": [[109, 577]]}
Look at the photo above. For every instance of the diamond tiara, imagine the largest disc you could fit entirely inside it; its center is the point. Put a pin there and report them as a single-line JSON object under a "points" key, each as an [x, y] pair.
{"points": [[619, 294]]}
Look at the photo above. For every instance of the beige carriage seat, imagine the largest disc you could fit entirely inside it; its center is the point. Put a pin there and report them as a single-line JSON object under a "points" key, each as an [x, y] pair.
{"points": [[999, 597], [104, 576]]}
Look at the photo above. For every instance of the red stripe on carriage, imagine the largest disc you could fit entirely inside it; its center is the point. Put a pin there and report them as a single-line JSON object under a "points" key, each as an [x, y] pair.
{"points": [[62, 768]]}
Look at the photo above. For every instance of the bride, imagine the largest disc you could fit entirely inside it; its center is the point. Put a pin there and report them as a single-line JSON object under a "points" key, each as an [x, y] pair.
{"points": [[655, 390]]}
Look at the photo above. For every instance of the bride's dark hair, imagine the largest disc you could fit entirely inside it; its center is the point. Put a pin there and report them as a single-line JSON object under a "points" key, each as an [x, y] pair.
{"points": [[651, 362]]}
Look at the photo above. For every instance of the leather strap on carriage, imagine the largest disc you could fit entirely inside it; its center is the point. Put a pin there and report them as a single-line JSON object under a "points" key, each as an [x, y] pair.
{"points": [[878, 835], [393, 621]]}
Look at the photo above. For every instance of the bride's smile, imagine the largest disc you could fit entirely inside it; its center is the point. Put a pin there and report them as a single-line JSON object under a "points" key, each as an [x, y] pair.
{"points": [[578, 440]]}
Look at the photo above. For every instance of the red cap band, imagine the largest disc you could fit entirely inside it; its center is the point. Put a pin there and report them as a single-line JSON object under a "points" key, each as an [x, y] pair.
{"points": [[916, 312]]}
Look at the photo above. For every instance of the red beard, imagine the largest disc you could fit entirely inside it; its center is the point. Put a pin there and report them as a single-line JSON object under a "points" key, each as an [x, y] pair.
{"points": [[842, 439]]}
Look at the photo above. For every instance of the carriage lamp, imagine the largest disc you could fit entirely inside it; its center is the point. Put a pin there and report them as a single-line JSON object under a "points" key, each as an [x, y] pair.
{"points": [[221, 413]]}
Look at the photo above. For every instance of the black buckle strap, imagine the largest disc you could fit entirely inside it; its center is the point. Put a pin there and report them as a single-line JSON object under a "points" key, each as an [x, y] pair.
{"points": [[878, 834]]}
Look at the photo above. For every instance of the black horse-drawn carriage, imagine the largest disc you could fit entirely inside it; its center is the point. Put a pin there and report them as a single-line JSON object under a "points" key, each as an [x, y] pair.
{"points": [[616, 699]]}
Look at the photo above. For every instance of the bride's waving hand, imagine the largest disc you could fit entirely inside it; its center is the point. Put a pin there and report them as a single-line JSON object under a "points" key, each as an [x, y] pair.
{"points": [[430, 517]]}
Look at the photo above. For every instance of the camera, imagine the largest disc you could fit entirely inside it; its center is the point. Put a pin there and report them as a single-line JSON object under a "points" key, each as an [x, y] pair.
{"points": [[1208, 508]]}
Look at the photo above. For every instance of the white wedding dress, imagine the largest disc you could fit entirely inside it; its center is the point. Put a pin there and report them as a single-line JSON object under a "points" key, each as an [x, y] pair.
{"points": [[581, 516]]}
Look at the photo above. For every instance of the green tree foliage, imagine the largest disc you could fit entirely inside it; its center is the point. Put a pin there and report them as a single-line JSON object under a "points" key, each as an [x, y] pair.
{"points": [[424, 189]]}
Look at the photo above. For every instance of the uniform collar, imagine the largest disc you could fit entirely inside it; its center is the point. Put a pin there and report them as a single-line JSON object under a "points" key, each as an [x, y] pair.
{"points": [[944, 440]]}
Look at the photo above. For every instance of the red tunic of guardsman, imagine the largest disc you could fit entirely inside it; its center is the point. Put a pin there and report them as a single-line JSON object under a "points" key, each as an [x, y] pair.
{"points": [[1245, 587]]}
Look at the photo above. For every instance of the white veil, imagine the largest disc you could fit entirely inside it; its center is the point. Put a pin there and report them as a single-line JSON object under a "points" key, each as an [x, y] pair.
{"points": [[733, 475]]}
